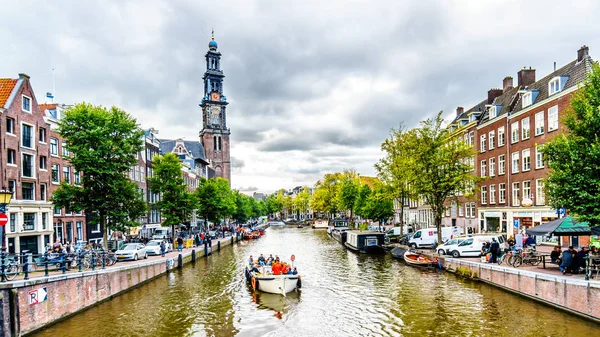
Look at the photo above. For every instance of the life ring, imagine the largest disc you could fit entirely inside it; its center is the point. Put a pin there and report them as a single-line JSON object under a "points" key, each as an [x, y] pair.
{"points": [[254, 283], [299, 284]]}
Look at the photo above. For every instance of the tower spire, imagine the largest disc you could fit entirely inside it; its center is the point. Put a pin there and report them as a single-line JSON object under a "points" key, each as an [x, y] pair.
{"points": [[213, 34]]}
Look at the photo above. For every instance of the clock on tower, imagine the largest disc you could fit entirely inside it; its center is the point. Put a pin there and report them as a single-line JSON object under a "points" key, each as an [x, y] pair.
{"points": [[214, 135]]}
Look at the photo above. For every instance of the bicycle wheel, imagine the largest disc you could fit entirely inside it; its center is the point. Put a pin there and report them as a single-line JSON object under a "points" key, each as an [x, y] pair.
{"points": [[503, 259], [518, 261], [535, 262], [11, 271]]}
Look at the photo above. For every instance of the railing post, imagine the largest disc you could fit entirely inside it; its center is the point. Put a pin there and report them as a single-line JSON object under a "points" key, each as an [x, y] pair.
{"points": [[179, 261], [103, 260], [205, 247], [46, 264], [3, 266], [79, 261], [63, 263], [193, 255], [26, 267], [93, 261], [219, 245]]}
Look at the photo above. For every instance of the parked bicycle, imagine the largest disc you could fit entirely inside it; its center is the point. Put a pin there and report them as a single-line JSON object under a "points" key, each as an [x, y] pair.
{"points": [[526, 257]]}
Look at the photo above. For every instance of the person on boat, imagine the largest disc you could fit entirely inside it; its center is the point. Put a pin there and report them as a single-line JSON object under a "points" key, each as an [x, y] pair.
{"points": [[261, 260], [270, 259], [250, 260], [295, 271], [254, 269], [276, 268], [284, 268]]}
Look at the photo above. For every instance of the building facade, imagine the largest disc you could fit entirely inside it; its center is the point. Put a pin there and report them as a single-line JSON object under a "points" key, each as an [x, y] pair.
{"points": [[214, 135]]}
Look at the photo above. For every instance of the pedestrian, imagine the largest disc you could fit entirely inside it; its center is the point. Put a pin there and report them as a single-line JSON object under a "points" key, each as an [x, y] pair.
{"points": [[519, 241], [495, 250], [567, 259], [163, 248], [179, 244]]}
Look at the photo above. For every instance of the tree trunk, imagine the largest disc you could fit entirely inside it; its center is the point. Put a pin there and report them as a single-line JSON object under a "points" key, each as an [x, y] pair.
{"points": [[104, 231], [351, 218], [438, 225]]}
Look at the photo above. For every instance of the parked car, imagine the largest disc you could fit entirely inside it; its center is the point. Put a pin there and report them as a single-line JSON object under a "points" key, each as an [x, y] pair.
{"points": [[131, 251], [394, 234], [471, 246], [153, 247], [427, 237], [449, 246]]}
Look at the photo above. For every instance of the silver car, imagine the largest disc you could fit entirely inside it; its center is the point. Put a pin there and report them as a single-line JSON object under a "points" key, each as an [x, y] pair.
{"points": [[132, 251], [153, 247]]}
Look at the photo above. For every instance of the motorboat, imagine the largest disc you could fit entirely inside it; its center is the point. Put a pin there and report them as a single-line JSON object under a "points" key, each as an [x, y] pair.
{"points": [[276, 223], [320, 224], [265, 281], [398, 253], [417, 259], [366, 242], [340, 234], [336, 223]]}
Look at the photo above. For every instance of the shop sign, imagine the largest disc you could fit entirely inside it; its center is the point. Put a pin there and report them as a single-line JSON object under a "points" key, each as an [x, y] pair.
{"points": [[492, 214], [516, 223]]}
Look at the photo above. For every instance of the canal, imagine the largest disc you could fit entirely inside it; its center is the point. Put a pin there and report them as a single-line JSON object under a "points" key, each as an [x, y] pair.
{"points": [[343, 294]]}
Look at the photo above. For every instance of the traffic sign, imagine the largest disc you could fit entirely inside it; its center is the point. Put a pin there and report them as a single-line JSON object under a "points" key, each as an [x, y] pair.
{"points": [[37, 296], [3, 219]]}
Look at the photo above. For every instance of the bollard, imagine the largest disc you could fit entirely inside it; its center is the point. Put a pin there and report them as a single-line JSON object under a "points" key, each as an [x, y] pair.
{"points": [[46, 264], [219, 245], [205, 248], [179, 261], [193, 255], [232, 239], [26, 267]]}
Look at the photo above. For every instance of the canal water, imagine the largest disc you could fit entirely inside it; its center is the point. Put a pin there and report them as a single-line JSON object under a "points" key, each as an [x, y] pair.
{"points": [[343, 294]]}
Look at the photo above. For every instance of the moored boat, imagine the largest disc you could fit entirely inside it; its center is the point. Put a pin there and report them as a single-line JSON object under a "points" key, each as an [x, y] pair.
{"points": [[417, 259], [320, 224], [340, 234], [336, 223], [365, 242], [398, 253]]}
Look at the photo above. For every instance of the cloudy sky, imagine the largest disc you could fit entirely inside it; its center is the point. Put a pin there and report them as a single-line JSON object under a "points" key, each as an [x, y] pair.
{"points": [[313, 86]]}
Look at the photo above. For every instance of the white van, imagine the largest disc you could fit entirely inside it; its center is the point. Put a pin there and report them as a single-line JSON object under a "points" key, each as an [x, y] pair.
{"points": [[427, 237], [394, 233], [449, 246], [472, 246], [161, 233]]}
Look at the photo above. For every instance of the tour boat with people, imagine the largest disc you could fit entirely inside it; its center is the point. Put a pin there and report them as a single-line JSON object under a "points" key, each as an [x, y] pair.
{"points": [[320, 224], [366, 242], [416, 259], [265, 279], [276, 223]]}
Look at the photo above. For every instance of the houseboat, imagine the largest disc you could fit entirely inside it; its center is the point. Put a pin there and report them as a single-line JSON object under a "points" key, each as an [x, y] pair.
{"points": [[365, 242], [336, 224], [339, 234]]}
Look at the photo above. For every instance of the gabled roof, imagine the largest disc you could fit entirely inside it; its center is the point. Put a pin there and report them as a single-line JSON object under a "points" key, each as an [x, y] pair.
{"points": [[195, 149], [6, 88], [476, 108], [506, 101], [575, 71], [47, 106]]}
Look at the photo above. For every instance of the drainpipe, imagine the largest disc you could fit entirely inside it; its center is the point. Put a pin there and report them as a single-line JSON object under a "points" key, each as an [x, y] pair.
{"points": [[508, 173]]}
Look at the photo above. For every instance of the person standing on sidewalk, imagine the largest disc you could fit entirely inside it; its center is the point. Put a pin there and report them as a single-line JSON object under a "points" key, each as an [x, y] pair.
{"points": [[180, 244], [163, 248]]}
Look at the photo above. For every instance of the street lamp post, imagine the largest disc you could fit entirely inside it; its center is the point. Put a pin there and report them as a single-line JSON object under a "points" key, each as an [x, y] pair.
{"points": [[5, 196]]}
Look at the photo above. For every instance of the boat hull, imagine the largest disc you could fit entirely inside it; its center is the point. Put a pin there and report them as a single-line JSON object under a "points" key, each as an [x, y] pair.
{"points": [[366, 249], [273, 284], [420, 260], [398, 253]]}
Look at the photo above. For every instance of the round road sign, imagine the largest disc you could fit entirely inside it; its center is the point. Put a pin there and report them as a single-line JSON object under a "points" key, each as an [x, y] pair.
{"points": [[3, 219]]}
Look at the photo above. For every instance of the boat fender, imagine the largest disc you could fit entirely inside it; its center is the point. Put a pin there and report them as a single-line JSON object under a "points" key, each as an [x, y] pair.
{"points": [[254, 283], [299, 284]]}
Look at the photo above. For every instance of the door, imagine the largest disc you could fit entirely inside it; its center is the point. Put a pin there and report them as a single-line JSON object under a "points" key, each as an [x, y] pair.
{"points": [[575, 241], [69, 229], [11, 245]]}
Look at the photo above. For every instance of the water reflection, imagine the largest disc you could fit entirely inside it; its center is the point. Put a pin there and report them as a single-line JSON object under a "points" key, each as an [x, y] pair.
{"points": [[343, 294]]}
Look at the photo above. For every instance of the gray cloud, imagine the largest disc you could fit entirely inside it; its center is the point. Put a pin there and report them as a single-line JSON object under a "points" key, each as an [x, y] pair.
{"points": [[237, 163]]}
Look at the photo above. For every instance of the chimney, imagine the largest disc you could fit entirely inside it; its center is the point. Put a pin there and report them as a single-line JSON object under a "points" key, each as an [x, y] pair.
{"points": [[582, 53], [459, 111], [507, 83], [526, 77], [49, 98], [492, 94], [23, 76]]}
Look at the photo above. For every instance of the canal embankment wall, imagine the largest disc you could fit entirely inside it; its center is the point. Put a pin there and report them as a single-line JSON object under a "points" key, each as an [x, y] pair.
{"points": [[27, 306], [573, 295]]}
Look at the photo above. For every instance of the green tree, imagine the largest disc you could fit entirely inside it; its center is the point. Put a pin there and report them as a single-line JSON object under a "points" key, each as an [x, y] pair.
{"points": [[243, 209], [215, 200], [574, 156], [176, 203], [347, 192], [379, 205], [395, 169], [442, 163], [325, 195], [361, 201], [288, 204], [103, 143], [302, 200]]}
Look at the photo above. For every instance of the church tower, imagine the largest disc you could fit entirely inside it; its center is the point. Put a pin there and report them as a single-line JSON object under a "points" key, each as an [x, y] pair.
{"points": [[215, 134]]}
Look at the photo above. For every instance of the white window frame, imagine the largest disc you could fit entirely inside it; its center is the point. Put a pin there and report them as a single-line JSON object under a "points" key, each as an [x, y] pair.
{"points": [[556, 83], [539, 123], [23, 101], [526, 159], [483, 168], [482, 143], [539, 157], [8, 157], [514, 132], [12, 131], [57, 150], [491, 140], [527, 99], [526, 190], [33, 138], [45, 134], [492, 194], [483, 195], [58, 174], [492, 166], [553, 118], [540, 198], [525, 128], [461, 211], [515, 162], [502, 193], [516, 191], [503, 138], [33, 165], [492, 112], [501, 164], [471, 138]]}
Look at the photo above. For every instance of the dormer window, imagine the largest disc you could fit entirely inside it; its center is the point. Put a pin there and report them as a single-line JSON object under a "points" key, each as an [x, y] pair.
{"points": [[527, 99], [492, 112], [554, 86]]}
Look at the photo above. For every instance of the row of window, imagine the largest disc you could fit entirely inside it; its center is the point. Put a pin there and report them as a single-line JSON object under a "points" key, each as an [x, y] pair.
{"points": [[520, 161], [67, 234], [27, 138], [488, 142], [525, 186], [29, 222]]}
